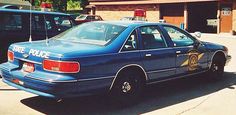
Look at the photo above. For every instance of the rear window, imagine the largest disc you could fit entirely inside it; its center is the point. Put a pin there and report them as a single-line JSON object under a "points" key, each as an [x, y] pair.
{"points": [[92, 33], [38, 23], [63, 22], [11, 22]]}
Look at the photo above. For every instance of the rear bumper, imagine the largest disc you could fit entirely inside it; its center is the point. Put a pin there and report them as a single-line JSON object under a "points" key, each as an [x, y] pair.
{"points": [[51, 88]]}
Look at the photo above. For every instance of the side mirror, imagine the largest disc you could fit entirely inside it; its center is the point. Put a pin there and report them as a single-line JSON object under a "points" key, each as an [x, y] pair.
{"points": [[196, 44], [198, 34]]}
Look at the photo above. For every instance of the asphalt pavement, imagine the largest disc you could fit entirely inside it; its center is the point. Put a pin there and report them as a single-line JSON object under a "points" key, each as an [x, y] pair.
{"points": [[196, 95]]}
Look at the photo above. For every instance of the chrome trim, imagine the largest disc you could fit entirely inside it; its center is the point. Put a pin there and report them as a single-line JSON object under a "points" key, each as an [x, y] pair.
{"points": [[90, 79], [190, 46], [25, 55], [131, 51], [164, 70], [69, 81], [135, 50], [22, 59], [156, 49], [52, 81], [176, 77], [178, 52], [146, 50], [148, 55], [182, 54], [125, 67]]}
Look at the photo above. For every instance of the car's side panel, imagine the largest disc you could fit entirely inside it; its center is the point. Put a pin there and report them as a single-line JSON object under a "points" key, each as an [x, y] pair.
{"points": [[159, 63], [190, 57], [203, 56], [184, 62], [106, 65]]}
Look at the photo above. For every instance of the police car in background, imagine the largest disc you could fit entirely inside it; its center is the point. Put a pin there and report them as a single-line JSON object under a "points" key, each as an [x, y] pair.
{"points": [[15, 26], [110, 56]]}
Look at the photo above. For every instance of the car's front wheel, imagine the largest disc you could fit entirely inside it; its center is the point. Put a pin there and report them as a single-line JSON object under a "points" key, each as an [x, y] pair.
{"points": [[217, 68]]}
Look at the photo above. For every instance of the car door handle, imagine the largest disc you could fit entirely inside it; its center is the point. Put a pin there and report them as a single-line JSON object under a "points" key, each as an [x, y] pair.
{"points": [[148, 55], [178, 52]]}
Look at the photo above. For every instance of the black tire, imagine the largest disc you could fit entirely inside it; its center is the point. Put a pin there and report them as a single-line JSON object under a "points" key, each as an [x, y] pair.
{"points": [[217, 68], [127, 88]]}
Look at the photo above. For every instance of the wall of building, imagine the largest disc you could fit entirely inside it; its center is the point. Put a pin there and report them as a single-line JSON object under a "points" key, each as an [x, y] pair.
{"points": [[116, 12]]}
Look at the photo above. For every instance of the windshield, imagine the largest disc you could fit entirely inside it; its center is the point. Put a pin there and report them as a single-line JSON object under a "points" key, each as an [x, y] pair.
{"points": [[92, 33], [81, 17]]}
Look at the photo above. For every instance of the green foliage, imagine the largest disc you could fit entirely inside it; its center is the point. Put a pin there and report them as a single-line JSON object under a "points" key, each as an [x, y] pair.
{"points": [[61, 5], [73, 5]]}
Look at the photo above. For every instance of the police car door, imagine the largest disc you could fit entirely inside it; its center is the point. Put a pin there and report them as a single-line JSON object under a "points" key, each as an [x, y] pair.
{"points": [[190, 54], [157, 57]]}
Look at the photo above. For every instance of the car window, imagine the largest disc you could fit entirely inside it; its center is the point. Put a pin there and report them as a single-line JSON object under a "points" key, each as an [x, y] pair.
{"points": [[50, 25], [89, 18], [92, 33], [97, 18], [81, 17], [38, 23], [178, 37], [92, 18], [131, 43], [63, 23], [152, 38], [11, 22]]}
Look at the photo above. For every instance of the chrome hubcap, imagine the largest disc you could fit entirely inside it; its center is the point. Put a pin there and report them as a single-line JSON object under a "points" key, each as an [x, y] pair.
{"points": [[215, 68], [126, 87]]}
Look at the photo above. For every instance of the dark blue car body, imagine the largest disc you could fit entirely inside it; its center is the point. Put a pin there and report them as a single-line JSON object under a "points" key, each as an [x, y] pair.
{"points": [[100, 65]]}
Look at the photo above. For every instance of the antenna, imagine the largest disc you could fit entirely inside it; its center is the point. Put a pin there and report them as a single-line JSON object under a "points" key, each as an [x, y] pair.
{"points": [[46, 29], [30, 37]]}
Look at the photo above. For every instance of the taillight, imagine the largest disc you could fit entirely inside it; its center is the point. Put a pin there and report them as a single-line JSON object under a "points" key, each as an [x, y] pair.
{"points": [[61, 66], [10, 56]]}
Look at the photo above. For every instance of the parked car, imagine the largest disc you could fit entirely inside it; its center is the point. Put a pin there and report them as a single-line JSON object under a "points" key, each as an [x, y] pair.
{"points": [[119, 58], [15, 26], [87, 18], [127, 19], [133, 19], [74, 16], [10, 7]]}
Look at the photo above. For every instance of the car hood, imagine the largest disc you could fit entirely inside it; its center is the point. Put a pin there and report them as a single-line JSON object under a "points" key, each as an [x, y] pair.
{"points": [[213, 46], [55, 49]]}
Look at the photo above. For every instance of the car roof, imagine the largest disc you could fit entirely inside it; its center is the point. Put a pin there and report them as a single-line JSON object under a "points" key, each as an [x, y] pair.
{"points": [[89, 15], [28, 11], [131, 23]]}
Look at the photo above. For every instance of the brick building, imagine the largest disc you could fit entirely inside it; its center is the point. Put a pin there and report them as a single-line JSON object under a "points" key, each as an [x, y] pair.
{"points": [[210, 16]]}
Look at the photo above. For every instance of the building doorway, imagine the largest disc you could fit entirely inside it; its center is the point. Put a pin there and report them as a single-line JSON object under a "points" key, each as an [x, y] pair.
{"points": [[172, 13], [226, 17], [202, 17]]}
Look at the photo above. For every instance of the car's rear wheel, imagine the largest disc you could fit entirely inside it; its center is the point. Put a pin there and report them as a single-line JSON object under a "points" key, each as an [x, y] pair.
{"points": [[217, 68], [127, 87]]}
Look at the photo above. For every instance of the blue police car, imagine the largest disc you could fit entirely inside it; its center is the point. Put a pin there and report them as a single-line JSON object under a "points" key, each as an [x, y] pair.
{"points": [[109, 56]]}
